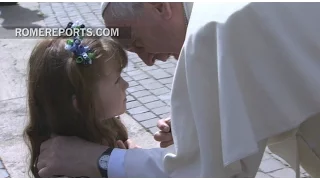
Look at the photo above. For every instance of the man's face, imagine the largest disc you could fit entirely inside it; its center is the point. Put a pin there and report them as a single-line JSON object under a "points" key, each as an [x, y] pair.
{"points": [[152, 38]]}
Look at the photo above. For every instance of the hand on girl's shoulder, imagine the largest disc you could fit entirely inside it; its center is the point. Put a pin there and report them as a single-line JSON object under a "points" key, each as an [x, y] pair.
{"points": [[129, 144]]}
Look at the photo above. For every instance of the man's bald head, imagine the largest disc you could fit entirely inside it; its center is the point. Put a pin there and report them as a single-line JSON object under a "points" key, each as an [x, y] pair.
{"points": [[158, 28], [121, 10]]}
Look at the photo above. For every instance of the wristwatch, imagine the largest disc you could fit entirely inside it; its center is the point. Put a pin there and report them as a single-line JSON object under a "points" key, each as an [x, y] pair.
{"points": [[103, 162]]}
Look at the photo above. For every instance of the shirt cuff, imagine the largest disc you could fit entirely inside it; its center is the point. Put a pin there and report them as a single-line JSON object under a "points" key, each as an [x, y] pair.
{"points": [[116, 164]]}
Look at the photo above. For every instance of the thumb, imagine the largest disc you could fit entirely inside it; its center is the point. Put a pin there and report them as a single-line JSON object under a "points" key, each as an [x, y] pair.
{"points": [[129, 144], [121, 145]]}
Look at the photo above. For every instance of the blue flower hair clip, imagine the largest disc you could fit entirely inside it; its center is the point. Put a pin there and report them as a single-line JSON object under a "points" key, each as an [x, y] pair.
{"points": [[83, 53]]}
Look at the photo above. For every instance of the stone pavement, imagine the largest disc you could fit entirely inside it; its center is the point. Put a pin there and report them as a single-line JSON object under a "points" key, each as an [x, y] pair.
{"points": [[148, 95], [13, 89]]}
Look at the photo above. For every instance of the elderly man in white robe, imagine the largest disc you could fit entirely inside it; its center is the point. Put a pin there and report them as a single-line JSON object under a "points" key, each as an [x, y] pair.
{"points": [[248, 76]]}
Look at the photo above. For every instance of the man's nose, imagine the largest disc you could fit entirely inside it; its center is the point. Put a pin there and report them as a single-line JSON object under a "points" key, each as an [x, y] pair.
{"points": [[142, 54], [147, 58]]}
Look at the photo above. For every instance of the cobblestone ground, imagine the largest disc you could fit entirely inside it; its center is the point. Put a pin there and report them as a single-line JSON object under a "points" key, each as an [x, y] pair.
{"points": [[149, 91]]}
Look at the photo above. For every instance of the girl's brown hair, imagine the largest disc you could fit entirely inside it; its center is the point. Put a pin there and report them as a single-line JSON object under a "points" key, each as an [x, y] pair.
{"points": [[54, 78]]}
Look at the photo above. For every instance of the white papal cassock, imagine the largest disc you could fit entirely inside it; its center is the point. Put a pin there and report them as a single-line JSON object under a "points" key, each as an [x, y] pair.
{"points": [[246, 72]]}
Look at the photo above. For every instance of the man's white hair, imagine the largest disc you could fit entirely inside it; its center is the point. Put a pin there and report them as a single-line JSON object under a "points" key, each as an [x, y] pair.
{"points": [[124, 10]]}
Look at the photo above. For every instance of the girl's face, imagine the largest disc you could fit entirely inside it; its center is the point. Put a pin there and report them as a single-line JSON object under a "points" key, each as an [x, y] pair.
{"points": [[111, 95]]}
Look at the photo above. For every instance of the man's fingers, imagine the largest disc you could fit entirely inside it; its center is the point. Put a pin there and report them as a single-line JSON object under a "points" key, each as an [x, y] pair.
{"points": [[162, 136], [164, 125], [131, 145], [168, 121], [121, 145], [166, 144]]}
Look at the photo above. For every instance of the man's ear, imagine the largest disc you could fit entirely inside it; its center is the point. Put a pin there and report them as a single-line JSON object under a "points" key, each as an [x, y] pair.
{"points": [[163, 8], [75, 102]]}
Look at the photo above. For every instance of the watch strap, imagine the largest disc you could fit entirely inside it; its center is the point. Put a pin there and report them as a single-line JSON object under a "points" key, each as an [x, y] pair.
{"points": [[104, 172]]}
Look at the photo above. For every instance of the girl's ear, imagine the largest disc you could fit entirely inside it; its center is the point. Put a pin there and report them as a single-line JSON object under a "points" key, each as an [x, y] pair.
{"points": [[75, 102]]}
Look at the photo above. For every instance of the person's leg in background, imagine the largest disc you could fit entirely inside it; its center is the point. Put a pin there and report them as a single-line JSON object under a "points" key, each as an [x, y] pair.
{"points": [[250, 165], [305, 140]]}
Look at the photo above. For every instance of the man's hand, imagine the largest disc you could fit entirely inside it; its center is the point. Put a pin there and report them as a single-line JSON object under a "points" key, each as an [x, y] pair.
{"points": [[164, 136], [69, 156], [129, 144]]}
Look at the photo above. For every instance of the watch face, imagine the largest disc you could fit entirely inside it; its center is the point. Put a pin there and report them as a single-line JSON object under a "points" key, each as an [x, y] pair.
{"points": [[103, 162]]}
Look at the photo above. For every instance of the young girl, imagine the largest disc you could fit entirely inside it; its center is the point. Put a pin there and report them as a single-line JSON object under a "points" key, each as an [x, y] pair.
{"points": [[70, 97]]}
